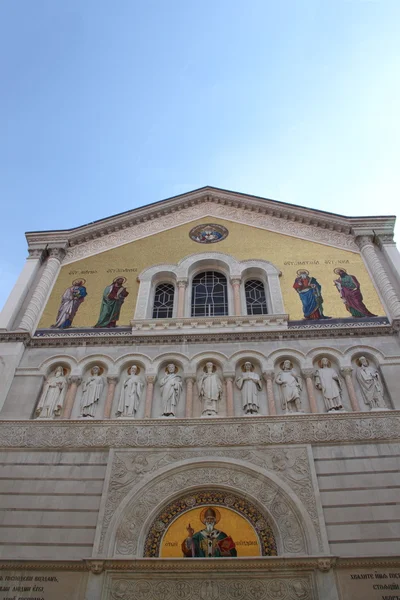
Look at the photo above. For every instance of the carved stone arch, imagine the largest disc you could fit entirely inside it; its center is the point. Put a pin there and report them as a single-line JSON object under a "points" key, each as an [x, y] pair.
{"points": [[238, 357], [218, 357], [65, 360], [103, 360], [126, 360], [275, 358], [149, 279], [269, 274], [188, 265], [127, 521], [351, 354], [315, 354], [165, 357]]}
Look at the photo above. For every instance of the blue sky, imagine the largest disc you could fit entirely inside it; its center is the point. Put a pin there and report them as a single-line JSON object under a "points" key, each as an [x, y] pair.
{"points": [[106, 106]]}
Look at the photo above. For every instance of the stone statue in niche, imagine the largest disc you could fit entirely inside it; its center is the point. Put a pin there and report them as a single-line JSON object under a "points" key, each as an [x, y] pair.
{"points": [[52, 398], [370, 384], [290, 386], [171, 390], [210, 390], [249, 383], [328, 382], [91, 392], [131, 393]]}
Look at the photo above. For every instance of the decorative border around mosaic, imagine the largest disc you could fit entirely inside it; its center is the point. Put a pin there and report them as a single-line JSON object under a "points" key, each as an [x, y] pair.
{"points": [[303, 429], [217, 498]]}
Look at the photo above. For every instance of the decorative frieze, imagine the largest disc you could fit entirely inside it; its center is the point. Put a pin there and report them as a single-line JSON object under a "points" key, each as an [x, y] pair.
{"points": [[296, 429]]}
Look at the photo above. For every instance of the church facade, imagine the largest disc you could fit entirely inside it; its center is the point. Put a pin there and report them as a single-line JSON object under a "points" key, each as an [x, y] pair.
{"points": [[200, 399]]}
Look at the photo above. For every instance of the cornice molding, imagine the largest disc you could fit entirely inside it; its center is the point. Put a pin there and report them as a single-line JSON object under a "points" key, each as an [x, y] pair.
{"points": [[310, 224], [272, 563], [194, 433]]}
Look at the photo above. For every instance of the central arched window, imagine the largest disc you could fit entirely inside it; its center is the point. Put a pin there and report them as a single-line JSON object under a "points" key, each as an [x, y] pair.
{"points": [[163, 301], [209, 295], [256, 302]]}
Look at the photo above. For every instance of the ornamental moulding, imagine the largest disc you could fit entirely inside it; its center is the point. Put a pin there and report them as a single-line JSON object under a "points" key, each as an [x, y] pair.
{"points": [[246, 214], [157, 433]]}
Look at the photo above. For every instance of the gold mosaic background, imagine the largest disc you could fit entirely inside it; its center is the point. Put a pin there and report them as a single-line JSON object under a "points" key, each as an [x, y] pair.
{"points": [[243, 242], [231, 523]]}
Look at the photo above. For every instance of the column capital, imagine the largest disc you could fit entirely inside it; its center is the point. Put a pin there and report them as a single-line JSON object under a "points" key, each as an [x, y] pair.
{"points": [[36, 251], [229, 375], [269, 375], [182, 282], [236, 280], [112, 379], [346, 371], [57, 253], [74, 379], [384, 239], [191, 378], [307, 372], [365, 240], [150, 378]]}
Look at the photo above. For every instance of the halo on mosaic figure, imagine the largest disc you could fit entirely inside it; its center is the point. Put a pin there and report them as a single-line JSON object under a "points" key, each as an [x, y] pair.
{"points": [[119, 277], [80, 281], [339, 270], [300, 271], [209, 509]]}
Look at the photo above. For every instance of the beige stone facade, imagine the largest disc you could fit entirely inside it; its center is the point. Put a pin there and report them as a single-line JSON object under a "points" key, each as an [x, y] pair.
{"points": [[100, 461]]}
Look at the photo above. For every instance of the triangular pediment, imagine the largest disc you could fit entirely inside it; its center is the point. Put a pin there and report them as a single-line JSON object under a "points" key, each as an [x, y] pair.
{"points": [[209, 202]]}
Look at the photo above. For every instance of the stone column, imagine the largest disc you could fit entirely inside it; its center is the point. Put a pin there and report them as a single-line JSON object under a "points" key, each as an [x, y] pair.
{"points": [[73, 381], [237, 304], [112, 384], [346, 372], [149, 396], [308, 374], [39, 297], [366, 245], [21, 288], [268, 378], [180, 311], [229, 396], [189, 397]]}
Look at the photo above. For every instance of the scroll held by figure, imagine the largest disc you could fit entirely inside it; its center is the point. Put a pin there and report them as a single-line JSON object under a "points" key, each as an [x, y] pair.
{"points": [[250, 384], [52, 399], [131, 393], [113, 298], [210, 390], [171, 390], [290, 386], [348, 287], [71, 300], [309, 291], [328, 382], [209, 542], [370, 384], [92, 389]]}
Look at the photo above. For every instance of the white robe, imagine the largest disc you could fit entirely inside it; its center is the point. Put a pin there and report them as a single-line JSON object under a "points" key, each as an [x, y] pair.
{"points": [[130, 396], [210, 391], [371, 387], [92, 390], [52, 398], [171, 389], [249, 383], [329, 381], [290, 387]]}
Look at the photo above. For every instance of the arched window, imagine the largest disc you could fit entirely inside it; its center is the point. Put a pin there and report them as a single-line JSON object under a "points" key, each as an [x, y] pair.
{"points": [[163, 301], [209, 295], [256, 302]]}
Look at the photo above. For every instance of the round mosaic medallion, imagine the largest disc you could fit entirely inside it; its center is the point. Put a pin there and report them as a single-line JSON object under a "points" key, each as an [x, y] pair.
{"points": [[208, 233]]}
